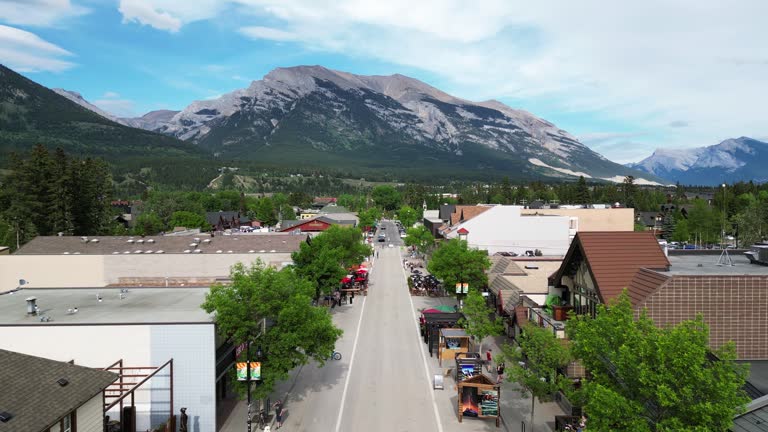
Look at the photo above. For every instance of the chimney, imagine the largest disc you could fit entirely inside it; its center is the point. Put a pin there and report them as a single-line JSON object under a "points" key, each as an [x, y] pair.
{"points": [[31, 306]]}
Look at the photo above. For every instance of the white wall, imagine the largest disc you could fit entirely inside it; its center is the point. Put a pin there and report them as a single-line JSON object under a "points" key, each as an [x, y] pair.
{"points": [[192, 347], [67, 271], [90, 417], [503, 229]]}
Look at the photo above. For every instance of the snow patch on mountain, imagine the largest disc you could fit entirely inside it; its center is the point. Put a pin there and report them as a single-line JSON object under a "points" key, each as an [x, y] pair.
{"points": [[614, 179]]}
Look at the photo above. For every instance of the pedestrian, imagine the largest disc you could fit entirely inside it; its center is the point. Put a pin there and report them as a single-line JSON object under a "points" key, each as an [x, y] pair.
{"points": [[499, 372], [488, 360], [279, 413]]}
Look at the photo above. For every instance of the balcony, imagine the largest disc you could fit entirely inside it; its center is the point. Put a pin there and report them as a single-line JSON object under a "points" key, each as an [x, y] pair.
{"points": [[543, 319]]}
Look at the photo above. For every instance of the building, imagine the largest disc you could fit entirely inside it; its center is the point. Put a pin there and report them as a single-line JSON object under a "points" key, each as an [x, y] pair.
{"points": [[224, 220], [55, 262], [590, 219], [143, 328], [42, 395], [505, 229], [318, 224]]}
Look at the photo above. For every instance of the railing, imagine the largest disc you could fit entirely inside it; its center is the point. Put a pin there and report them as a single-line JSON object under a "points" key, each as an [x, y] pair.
{"points": [[542, 319]]}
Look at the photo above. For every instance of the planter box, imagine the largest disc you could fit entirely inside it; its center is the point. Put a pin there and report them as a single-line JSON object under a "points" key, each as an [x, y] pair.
{"points": [[561, 312]]}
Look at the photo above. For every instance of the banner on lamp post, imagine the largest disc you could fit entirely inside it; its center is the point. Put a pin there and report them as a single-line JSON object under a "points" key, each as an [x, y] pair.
{"points": [[242, 371], [462, 288]]}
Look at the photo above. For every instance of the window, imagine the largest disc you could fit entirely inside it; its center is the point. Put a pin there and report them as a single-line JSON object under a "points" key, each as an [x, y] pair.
{"points": [[68, 423]]}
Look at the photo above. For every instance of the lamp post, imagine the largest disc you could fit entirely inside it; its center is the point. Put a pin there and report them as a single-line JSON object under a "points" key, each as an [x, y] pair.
{"points": [[248, 380]]}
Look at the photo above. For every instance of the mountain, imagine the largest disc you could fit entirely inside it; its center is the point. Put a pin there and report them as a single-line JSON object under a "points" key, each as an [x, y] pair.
{"points": [[739, 159], [311, 116], [78, 99], [152, 120], [31, 114]]}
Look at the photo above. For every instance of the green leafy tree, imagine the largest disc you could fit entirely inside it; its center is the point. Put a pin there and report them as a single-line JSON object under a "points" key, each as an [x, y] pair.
{"points": [[408, 216], [681, 232], [368, 217], [188, 220], [455, 262], [386, 197], [323, 260], [420, 238], [297, 331], [704, 222], [645, 378], [753, 222], [534, 364], [479, 319], [148, 224]]}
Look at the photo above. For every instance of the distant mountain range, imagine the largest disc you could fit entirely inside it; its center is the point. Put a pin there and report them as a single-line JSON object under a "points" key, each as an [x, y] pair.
{"points": [[313, 117], [739, 159]]}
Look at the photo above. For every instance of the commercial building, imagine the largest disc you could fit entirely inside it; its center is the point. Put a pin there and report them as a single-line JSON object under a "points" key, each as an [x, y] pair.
{"points": [[55, 262], [144, 329]]}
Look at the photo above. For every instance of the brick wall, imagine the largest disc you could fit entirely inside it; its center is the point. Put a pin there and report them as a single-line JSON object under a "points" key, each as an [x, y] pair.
{"points": [[734, 307]]}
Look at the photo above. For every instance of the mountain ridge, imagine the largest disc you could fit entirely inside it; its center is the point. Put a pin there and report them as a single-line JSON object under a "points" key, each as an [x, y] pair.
{"points": [[734, 159], [311, 114]]}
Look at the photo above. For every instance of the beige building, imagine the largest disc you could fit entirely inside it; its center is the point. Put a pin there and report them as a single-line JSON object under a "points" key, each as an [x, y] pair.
{"points": [[87, 262], [592, 219]]}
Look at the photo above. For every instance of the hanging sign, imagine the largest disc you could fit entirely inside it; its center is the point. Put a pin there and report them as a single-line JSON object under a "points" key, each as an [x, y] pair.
{"points": [[242, 371]]}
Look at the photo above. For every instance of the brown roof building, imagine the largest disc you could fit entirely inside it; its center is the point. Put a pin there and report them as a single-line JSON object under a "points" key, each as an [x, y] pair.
{"points": [[463, 213]]}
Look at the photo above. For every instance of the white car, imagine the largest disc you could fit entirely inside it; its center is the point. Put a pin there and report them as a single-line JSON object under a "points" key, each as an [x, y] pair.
{"points": [[402, 235], [391, 245]]}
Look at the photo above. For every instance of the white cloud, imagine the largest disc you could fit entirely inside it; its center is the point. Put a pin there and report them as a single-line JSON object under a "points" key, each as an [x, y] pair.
{"points": [[116, 107], [258, 32], [26, 52], [645, 64], [111, 95], [145, 14], [38, 12]]}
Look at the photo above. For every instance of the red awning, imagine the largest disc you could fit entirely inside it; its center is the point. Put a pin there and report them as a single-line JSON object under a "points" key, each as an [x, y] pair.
{"points": [[360, 279], [362, 270], [346, 280]]}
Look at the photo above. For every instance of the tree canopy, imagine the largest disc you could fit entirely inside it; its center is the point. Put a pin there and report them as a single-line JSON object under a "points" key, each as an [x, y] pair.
{"points": [[645, 378], [408, 216], [420, 238], [386, 197], [479, 320], [323, 260], [534, 364], [455, 262], [296, 330]]}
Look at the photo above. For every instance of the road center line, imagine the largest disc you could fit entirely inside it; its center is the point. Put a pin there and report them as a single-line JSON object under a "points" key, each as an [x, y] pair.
{"points": [[351, 363], [424, 359]]}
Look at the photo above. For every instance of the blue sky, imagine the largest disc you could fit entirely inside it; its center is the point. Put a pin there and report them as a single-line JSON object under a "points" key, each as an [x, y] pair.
{"points": [[624, 78]]}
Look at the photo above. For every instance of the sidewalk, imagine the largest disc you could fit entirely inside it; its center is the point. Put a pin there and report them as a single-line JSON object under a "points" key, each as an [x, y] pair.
{"points": [[515, 408]]}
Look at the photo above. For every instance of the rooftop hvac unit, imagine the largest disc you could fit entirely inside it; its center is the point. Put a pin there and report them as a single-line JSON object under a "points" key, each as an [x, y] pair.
{"points": [[229, 251], [147, 251], [140, 241], [115, 253], [207, 241], [137, 251], [196, 239], [66, 253], [251, 251], [187, 251], [272, 251], [219, 251], [126, 252], [130, 241], [198, 251], [193, 245], [160, 251], [94, 240], [262, 251], [151, 241]]}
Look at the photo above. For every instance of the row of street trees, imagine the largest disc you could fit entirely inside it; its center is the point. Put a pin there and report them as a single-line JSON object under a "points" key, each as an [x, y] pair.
{"points": [[297, 331]]}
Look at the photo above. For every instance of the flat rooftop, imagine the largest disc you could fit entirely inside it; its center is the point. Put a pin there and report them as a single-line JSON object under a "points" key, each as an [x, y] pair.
{"points": [[116, 245], [707, 265], [138, 305]]}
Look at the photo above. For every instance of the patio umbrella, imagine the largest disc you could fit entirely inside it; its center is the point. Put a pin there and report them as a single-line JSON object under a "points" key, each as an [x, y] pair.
{"points": [[362, 270], [428, 311], [360, 279], [346, 279], [445, 308]]}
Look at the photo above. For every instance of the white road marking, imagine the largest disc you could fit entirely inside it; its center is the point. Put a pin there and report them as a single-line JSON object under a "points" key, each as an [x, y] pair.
{"points": [[424, 359], [351, 362]]}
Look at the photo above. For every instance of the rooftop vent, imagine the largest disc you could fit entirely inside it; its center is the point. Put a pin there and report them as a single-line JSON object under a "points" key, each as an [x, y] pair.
{"points": [[196, 239], [219, 251], [31, 305], [127, 252], [94, 240], [160, 251], [151, 241], [198, 251], [62, 382], [272, 251], [251, 251], [229, 251], [76, 253], [140, 241], [137, 251], [207, 241], [532, 267], [193, 245], [187, 251], [130, 241], [115, 253], [5, 416], [66, 253], [147, 251]]}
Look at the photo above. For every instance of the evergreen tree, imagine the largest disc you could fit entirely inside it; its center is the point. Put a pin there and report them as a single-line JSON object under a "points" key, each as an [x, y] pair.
{"points": [[582, 191], [668, 226]]}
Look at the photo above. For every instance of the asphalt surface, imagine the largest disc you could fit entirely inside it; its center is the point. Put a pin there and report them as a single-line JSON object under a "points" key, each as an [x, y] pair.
{"points": [[381, 382]]}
